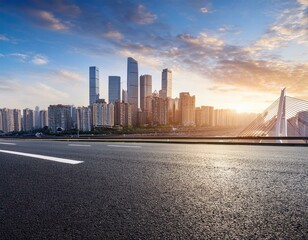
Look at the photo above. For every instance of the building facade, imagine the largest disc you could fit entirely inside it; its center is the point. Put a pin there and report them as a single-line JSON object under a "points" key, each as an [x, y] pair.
{"points": [[186, 109], [43, 119], [28, 119], [132, 87], [59, 117], [17, 120], [93, 84], [166, 82], [145, 90], [114, 89]]}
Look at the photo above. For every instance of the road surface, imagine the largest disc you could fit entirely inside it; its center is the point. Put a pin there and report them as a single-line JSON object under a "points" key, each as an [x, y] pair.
{"points": [[86, 190]]}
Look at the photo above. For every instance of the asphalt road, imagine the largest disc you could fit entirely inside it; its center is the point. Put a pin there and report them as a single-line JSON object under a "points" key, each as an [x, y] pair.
{"points": [[152, 191]]}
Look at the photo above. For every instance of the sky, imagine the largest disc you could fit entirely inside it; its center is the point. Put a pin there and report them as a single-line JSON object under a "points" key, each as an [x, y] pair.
{"points": [[234, 54]]}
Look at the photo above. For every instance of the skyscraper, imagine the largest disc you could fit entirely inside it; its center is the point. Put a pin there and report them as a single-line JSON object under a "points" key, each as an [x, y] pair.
{"points": [[132, 87], [145, 90], [114, 89], [93, 85], [166, 83]]}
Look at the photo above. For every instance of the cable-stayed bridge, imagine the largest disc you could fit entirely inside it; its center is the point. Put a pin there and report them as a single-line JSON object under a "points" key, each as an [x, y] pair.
{"points": [[286, 117]]}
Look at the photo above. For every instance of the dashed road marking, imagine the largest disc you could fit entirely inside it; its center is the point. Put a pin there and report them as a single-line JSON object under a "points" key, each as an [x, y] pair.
{"points": [[49, 158], [6, 143], [124, 146], [79, 145]]}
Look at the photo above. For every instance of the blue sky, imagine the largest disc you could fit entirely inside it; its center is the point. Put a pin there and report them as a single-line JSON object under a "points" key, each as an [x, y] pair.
{"points": [[230, 54]]}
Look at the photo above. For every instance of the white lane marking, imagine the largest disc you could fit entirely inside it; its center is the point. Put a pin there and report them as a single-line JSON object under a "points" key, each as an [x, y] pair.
{"points": [[4, 143], [124, 146], [78, 145], [55, 159]]}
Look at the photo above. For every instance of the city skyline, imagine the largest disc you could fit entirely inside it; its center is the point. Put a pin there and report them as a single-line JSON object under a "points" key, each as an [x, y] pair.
{"points": [[225, 61]]}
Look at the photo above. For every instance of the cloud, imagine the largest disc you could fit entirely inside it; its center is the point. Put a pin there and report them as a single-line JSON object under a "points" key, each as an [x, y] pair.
{"points": [[114, 35], [260, 76], [27, 94], [48, 20], [303, 2], [291, 25], [4, 38], [21, 56], [39, 59], [204, 10], [68, 76], [142, 16]]}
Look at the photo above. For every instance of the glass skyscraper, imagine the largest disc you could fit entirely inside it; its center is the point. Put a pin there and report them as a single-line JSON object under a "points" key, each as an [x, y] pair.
{"points": [[114, 89], [93, 85], [166, 82], [145, 90], [132, 87]]}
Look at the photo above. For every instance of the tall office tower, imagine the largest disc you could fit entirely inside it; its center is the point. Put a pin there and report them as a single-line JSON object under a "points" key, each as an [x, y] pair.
{"points": [[124, 96], [37, 117], [59, 117], [93, 85], [1, 122], [110, 115], [17, 120], [28, 119], [83, 121], [145, 90], [7, 120], [43, 119], [132, 87], [114, 87], [187, 109], [166, 83]]}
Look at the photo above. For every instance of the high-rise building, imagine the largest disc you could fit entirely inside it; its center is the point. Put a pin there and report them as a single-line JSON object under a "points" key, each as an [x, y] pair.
{"points": [[59, 117], [173, 110], [145, 90], [205, 116], [132, 87], [7, 120], [166, 83], [124, 96], [99, 114], [28, 119], [37, 117], [225, 118], [114, 86], [123, 114], [43, 119], [110, 115], [159, 110], [17, 120], [187, 109], [93, 84], [83, 121]]}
